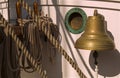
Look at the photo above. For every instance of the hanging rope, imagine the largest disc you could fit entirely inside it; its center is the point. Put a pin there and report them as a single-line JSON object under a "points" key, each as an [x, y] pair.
{"points": [[9, 66], [11, 61], [43, 23], [32, 41], [23, 48], [1, 52]]}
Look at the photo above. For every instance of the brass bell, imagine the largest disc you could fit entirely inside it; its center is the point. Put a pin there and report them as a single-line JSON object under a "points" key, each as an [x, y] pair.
{"points": [[95, 36]]}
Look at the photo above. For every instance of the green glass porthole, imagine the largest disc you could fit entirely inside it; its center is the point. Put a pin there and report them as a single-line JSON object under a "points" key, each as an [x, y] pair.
{"points": [[75, 20]]}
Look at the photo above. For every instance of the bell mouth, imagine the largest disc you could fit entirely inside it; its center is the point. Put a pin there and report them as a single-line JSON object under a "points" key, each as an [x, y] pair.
{"points": [[99, 42], [97, 47]]}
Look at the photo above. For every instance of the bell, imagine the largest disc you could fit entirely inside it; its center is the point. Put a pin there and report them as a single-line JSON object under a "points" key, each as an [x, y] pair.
{"points": [[95, 36]]}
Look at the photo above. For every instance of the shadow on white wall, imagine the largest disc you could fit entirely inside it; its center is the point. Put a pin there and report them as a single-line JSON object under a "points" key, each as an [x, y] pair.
{"points": [[108, 63]]}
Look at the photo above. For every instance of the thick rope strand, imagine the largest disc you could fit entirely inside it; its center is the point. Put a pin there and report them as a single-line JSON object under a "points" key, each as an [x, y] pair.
{"points": [[52, 40], [23, 48], [62, 51]]}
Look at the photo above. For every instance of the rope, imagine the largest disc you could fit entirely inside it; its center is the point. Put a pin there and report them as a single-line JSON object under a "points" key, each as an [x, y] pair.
{"points": [[52, 39], [12, 67], [32, 41], [23, 48]]}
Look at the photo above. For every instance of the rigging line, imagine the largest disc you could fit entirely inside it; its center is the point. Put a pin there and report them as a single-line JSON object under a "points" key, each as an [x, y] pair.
{"points": [[67, 33], [34, 42], [70, 48], [23, 47], [62, 51], [77, 52], [52, 39], [35, 48], [107, 1], [2, 56], [38, 44], [8, 67], [114, 9], [25, 62], [11, 60]]}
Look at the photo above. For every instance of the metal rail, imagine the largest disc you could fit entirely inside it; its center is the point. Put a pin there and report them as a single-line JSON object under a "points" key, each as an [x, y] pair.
{"points": [[51, 5], [117, 1]]}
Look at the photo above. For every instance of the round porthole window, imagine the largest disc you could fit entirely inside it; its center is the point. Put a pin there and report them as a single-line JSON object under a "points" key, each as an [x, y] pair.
{"points": [[75, 20]]}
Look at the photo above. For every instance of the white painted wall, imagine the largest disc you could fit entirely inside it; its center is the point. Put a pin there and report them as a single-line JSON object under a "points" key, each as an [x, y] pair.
{"points": [[109, 64], [4, 8]]}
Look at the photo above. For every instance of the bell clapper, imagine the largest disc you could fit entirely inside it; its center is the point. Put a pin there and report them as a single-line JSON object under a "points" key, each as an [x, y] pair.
{"points": [[95, 56]]}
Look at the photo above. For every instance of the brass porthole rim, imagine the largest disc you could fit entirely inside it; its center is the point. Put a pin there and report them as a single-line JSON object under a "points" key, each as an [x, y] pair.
{"points": [[67, 17]]}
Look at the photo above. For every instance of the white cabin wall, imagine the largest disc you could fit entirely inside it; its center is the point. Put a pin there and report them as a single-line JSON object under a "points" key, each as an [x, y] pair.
{"points": [[109, 63], [4, 8]]}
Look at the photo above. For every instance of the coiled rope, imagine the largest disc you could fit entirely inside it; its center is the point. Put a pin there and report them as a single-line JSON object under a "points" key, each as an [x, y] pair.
{"points": [[23, 47], [52, 39], [32, 41]]}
